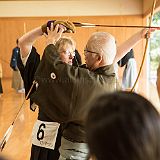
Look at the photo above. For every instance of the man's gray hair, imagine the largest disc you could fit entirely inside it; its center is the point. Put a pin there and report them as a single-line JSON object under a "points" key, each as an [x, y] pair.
{"points": [[104, 44]]}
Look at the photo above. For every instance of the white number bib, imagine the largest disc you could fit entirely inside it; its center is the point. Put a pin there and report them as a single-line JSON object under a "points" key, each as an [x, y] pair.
{"points": [[44, 134]]}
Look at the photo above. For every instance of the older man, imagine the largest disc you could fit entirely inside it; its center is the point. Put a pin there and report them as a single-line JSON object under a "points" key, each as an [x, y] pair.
{"points": [[74, 88]]}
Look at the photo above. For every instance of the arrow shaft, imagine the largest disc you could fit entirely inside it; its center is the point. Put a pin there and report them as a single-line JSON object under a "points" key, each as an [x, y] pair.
{"points": [[77, 24]]}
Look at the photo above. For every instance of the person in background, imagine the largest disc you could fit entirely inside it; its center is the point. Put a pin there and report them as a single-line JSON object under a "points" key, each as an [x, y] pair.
{"points": [[130, 70], [123, 126], [17, 82], [158, 80], [1, 88]]}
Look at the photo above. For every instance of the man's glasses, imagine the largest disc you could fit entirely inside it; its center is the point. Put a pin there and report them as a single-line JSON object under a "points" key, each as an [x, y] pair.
{"points": [[87, 51]]}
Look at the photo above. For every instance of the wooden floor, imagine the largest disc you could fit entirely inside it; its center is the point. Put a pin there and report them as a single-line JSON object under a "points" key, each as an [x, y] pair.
{"points": [[19, 144]]}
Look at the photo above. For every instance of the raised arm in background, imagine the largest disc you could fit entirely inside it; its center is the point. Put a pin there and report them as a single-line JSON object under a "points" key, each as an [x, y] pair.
{"points": [[126, 46]]}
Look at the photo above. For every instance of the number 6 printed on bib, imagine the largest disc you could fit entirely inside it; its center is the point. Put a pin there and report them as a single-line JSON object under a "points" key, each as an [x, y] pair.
{"points": [[44, 134]]}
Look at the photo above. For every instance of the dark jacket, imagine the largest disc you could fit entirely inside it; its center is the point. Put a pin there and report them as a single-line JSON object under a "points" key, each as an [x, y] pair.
{"points": [[28, 71], [77, 59], [65, 91]]}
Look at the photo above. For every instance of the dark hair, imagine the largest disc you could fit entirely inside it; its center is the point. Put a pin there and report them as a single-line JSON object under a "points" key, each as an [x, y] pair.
{"points": [[3, 158], [77, 59], [17, 41], [123, 126]]}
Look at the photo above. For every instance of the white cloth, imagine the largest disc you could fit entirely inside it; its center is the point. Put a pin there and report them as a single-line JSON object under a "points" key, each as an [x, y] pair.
{"points": [[116, 70], [44, 134], [24, 59], [17, 82], [73, 150], [129, 74]]}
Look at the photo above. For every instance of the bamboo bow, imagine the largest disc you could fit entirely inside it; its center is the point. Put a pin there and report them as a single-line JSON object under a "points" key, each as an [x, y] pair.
{"points": [[146, 46]]}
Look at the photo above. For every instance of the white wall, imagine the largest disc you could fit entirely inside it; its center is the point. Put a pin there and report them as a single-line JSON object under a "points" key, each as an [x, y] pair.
{"points": [[70, 8]]}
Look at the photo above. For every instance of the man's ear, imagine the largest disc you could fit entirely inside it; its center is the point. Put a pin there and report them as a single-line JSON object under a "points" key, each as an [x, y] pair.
{"points": [[99, 58]]}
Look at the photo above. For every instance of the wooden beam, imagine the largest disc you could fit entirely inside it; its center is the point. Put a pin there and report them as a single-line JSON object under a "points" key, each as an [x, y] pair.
{"points": [[157, 8]]}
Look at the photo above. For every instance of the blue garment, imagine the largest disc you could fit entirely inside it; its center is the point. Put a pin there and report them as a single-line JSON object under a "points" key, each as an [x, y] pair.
{"points": [[13, 61]]}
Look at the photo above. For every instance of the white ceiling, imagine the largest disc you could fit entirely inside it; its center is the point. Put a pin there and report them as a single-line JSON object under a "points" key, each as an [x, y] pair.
{"points": [[36, 8]]}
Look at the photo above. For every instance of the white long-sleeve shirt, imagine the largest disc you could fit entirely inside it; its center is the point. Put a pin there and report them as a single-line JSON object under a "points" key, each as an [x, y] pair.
{"points": [[129, 74]]}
